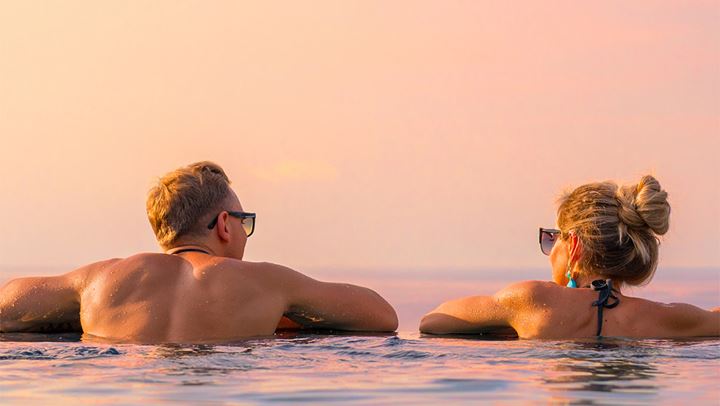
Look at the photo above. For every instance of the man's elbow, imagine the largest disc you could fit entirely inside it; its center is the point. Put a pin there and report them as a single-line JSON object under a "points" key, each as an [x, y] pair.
{"points": [[386, 319], [389, 322]]}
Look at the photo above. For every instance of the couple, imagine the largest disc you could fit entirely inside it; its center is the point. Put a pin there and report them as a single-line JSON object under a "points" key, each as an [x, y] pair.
{"points": [[200, 289]]}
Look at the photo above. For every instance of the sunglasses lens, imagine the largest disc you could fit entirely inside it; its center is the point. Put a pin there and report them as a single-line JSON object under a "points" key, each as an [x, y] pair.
{"points": [[248, 225], [547, 241]]}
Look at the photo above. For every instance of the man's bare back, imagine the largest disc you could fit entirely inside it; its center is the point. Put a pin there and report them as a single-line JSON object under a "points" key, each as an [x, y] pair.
{"points": [[166, 298], [195, 297]]}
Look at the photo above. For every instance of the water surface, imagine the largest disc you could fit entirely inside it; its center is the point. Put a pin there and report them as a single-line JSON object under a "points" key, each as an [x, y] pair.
{"points": [[403, 369]]}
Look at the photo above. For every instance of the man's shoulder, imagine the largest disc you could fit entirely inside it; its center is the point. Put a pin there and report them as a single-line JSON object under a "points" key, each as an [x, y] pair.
{"points": [[142, 257], [147, 257], [149, 260], [257, 268], [114, 263], [266, 273], [241, 263]]}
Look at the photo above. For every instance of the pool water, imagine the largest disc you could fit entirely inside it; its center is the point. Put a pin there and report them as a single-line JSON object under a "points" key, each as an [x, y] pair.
{"points": [[406, 368], [400, 369]]}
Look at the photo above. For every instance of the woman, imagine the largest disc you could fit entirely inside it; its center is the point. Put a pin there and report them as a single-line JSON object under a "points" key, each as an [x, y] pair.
{"points": [[607, 239]]}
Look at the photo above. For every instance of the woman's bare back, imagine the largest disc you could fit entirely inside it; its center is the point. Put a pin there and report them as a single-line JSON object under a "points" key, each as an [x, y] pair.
{"points": [[553, 311], [537, 309]]}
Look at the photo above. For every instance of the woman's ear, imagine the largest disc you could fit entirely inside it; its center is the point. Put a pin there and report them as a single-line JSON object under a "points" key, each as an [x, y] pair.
{"points": [[576, 248]]}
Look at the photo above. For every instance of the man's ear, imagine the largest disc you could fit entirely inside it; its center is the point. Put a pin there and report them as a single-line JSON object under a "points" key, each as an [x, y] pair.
{"points": [[223, 227]]}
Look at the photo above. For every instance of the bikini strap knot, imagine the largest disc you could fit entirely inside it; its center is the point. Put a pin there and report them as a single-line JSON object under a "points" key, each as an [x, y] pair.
{"points": [[605, 294]]}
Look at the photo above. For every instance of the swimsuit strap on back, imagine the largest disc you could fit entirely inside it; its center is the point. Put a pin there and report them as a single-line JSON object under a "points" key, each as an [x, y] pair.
{"points": [[605, 293]]}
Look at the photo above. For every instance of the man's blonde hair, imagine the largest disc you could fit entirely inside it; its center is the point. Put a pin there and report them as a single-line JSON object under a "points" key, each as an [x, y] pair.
{"points": [[184, 201]]}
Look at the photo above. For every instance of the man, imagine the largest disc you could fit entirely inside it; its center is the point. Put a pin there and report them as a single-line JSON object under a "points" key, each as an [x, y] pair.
{"points": [[199, 290]]}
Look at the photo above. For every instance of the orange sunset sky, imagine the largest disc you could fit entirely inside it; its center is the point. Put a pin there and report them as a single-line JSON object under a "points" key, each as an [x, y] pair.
{"points": [[402, 134]]}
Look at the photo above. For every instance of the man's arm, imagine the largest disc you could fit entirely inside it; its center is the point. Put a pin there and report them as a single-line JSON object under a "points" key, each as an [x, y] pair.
{"points": [[339, 306], [44, 304], [39, 304], [477, 314]]}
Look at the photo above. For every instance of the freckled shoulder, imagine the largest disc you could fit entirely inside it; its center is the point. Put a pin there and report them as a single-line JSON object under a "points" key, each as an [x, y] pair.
{"points": [[82, 276], [149, 257], [527, 303], [528, 290]]}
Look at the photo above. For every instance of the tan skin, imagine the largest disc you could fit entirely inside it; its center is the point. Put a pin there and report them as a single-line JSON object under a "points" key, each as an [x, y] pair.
{"points": [[190, 297], [535, 309]]}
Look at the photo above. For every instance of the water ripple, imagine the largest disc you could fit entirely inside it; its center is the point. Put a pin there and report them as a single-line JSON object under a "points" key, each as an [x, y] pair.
{"points": [[408, 354], [331, 369], [55, 353]]}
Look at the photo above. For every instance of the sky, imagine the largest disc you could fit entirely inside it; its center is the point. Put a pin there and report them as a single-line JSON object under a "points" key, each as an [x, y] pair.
{"points": [[369, 134]]}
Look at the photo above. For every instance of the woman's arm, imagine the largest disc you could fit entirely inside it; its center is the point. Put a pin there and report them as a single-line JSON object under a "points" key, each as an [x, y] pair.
{"points": [[479, 314], [474, 314], [686, 320]]}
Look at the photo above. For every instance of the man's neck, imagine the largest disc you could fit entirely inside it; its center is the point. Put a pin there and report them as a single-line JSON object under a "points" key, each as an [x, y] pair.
{"points": [[182, 248]]}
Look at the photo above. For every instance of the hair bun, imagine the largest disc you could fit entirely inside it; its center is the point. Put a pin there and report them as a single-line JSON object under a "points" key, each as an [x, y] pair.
{"points": [[644, 205]]}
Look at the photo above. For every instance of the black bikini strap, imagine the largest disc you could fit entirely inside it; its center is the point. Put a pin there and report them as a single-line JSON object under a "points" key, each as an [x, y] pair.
{"points": [[605, 293]]}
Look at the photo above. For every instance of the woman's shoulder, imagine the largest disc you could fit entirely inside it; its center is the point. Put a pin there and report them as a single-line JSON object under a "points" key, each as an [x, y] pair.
{"points": [[529, 291], [531, 287]]}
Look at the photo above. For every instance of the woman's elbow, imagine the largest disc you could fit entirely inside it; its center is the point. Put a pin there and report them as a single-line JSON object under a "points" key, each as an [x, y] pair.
{"points": [[434, 323], [425, 324]]}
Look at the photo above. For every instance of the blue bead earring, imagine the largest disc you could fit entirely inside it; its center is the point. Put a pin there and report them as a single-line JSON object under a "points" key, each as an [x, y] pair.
{"points": [[571, 282]]}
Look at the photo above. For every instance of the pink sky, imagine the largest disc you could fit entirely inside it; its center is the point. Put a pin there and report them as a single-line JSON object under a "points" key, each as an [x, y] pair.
{"points": [[364, 134]]}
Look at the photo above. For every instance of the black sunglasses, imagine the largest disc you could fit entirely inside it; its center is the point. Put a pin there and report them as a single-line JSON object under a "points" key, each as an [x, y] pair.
{"points": [[548, 237], [248, 220]]}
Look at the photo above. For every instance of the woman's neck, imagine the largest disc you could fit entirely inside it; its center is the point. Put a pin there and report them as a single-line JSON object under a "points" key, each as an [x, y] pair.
{"points": [[584, 280]]}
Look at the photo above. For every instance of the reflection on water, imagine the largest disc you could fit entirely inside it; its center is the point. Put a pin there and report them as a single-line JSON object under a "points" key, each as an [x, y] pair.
{"points": [[604, 367], [179, 351], [607, 376], [402, 369], [630, 369]]}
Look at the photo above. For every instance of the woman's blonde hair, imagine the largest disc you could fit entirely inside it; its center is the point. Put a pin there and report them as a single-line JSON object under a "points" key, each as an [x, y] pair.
{"points": [[618, 227], [184, 200]]}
